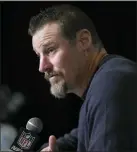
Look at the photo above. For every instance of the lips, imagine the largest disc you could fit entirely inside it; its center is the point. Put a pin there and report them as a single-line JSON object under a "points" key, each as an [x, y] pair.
{"points": [[53, 76]]}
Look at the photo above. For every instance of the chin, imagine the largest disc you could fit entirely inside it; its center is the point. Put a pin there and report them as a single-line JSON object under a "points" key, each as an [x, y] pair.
{"points": [[59, 90]]}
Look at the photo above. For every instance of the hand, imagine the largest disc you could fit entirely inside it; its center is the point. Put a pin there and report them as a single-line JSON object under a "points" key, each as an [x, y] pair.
{"points": [[52, 145]]}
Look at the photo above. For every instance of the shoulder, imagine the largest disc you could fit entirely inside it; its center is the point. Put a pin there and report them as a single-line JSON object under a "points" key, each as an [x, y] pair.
{"points": [[113, 90], [116, 79]]}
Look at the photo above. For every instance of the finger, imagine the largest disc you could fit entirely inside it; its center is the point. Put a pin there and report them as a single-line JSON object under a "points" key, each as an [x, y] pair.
{"points": [[52, 142]]}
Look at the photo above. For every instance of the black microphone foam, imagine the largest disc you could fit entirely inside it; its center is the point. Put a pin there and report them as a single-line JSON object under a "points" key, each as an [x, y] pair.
{"points": [[27, 138]]}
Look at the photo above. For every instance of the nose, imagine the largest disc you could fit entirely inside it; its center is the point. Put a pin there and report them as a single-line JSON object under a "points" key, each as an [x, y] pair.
{"points": [[44, 64]]}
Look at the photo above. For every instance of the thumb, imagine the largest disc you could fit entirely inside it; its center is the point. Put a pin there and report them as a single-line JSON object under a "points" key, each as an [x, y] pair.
{"points": [[52, 142]]}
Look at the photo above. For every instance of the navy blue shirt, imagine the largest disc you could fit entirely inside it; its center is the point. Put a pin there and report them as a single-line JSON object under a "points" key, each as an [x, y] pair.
{"points": [[108, 116]]}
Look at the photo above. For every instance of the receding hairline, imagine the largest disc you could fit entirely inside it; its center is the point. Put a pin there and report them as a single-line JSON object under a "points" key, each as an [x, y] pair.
{"points": [[46, 41], [48, 24], [60, 30], [61, 17]]}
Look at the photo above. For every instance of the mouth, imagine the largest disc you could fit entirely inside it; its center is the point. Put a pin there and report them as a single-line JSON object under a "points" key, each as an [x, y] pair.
{"points": [[52, 77], [55, 78]]}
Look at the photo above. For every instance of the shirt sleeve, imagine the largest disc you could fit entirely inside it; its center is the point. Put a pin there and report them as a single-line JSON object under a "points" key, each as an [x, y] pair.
{"points": [[66, 143], [113, 120]]}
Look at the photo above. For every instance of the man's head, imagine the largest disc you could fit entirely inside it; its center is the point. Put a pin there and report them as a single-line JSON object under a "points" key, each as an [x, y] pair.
{"points": [[63, 36]]}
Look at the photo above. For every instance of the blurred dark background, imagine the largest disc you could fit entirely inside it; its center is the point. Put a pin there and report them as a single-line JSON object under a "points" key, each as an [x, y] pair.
{"points": [[116, 25]]}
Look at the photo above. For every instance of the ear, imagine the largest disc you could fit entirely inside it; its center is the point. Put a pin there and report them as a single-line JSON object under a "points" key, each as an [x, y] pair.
{"points": [[84, 39]]}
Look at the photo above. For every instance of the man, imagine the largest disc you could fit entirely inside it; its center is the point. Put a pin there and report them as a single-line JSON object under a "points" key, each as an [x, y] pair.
{"points": [[73, 59]]}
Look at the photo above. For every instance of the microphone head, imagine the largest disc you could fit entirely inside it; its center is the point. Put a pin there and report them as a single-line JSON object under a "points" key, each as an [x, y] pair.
{"points": [[34, 125]]}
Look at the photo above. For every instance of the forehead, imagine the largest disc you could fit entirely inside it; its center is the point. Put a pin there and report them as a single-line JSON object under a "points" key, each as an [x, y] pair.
{"points": [[50, 32]]}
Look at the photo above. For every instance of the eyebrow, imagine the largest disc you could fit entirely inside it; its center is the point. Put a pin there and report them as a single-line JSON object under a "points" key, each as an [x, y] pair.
{"points": [[49, 44], [46, 45]]}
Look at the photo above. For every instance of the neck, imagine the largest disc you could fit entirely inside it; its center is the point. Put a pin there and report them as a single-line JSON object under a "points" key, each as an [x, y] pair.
{"points": [[92, 63]]}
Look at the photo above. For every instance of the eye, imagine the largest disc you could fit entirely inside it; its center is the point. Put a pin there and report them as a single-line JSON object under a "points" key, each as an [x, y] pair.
{"points": [[50, 51]]}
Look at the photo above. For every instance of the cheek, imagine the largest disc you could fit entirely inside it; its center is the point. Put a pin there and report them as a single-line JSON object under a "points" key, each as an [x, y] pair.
{"points": [[61, 61]]}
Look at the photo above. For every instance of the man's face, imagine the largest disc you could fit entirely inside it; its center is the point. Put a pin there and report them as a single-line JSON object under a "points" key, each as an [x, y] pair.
{"points": [[60, 61]]}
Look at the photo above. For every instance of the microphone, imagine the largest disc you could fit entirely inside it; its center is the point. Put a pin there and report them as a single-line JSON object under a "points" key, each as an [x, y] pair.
{"points": [[27, 138]]}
